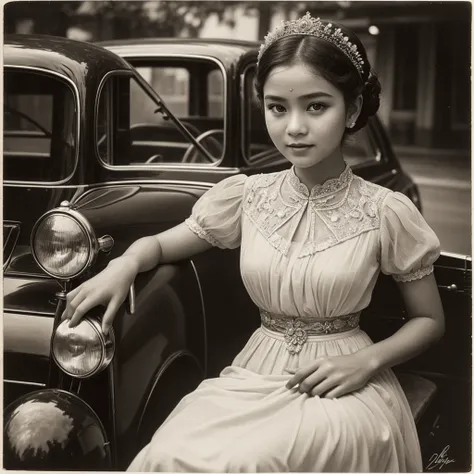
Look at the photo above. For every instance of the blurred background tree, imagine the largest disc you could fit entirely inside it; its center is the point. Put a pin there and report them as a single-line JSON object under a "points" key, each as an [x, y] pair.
{"points": [[104, 20]]}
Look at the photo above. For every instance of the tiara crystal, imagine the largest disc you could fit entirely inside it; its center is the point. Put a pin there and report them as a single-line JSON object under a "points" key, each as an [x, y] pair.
{"points": [[307, 25]]}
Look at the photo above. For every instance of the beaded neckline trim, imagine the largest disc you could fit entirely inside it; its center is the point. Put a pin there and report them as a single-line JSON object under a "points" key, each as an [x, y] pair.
{"points": [[330, 186]]}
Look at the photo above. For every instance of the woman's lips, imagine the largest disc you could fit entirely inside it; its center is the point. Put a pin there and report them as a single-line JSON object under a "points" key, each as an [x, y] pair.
{"points": [[300, 148]]}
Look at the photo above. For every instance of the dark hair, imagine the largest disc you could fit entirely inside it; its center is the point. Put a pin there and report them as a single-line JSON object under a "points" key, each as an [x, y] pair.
{"points": [[329, 62]]}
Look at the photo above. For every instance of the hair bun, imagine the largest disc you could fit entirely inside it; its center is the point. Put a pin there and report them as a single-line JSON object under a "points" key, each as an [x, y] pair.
{"points": [[371, 101], [371, 94]]}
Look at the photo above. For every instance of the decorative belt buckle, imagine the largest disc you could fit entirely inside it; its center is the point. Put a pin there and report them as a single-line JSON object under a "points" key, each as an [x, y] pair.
{"points": [[295, 336]]}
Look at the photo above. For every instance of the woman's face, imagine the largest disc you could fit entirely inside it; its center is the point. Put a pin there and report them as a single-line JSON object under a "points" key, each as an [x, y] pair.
{"points": [[305, 115]]}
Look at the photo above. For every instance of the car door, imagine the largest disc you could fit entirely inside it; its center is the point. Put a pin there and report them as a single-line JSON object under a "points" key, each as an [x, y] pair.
{"points": [[447, 363]]}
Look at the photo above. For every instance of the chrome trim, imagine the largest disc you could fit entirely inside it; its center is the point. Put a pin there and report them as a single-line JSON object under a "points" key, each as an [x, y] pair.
{"points": [[106, 243], [247, 160], [12, 184], [22, 382], [119, 184], [203, 313], [157, 377], [453, 287], [78, 125], [167, 167], [40, 314], [12, 226], [93, 187], [107, 345], [82, 222], [112, 413], [137, 181], [165, 56], [457, 255], [132, 298], [26, 153]]}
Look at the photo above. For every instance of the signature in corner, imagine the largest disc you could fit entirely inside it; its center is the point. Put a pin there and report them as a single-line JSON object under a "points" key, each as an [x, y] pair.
{"points": [[439, 460]]}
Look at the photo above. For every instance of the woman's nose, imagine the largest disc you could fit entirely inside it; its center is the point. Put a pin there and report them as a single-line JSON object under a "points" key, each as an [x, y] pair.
{"points": [[296, 125]]}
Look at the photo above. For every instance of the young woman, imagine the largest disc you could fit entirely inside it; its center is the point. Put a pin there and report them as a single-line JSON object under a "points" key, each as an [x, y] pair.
{"points": [[309, 391]]}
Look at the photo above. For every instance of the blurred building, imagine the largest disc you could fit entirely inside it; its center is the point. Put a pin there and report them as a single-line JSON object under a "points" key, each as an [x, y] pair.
{"points": [[422, 54], [420, 50]]}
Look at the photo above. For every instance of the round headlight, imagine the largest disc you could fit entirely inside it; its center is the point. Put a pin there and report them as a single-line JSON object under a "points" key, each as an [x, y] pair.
{"points": [[61, 245], [83, 351]]}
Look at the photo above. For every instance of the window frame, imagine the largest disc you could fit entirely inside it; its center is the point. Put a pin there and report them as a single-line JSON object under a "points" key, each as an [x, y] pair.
{"points": [[77, 103], [153, 95], [244, 136], [148, 58]]}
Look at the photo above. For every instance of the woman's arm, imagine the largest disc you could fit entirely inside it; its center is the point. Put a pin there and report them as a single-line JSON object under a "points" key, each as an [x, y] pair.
{"points": [[110, 287], [424, 328], [169, 246]]}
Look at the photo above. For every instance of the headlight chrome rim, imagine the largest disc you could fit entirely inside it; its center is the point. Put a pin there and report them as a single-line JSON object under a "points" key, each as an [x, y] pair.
{"points": [[107, 343], [84, 224]]}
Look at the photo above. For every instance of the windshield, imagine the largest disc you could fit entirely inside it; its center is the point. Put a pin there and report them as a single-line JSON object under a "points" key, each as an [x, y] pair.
{"points": [[39, 127]]}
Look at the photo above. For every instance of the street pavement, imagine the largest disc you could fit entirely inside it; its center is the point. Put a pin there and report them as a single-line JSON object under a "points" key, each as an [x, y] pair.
{"points": [[444, 181]]}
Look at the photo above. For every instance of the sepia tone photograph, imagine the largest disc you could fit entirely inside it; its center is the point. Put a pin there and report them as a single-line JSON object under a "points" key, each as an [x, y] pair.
{"points": [[237, 236]]}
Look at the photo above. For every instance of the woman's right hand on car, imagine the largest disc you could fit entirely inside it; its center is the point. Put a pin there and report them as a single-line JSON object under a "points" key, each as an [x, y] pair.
{"points": [[108, 288]]}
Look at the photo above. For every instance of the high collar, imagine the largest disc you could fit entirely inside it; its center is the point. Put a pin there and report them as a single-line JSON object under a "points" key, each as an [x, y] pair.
{"points": [[329, 187]]}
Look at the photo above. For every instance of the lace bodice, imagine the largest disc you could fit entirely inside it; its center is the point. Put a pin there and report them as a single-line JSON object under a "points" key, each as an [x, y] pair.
{"points": [[346, 206], [315, 253]]}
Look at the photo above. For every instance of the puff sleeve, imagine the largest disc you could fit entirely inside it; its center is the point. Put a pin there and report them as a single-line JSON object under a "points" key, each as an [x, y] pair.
{"points": [[409, 247], [216, 215]]}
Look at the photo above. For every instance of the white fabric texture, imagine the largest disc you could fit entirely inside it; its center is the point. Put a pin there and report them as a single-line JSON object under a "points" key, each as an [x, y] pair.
{"points": [[311, 254]]}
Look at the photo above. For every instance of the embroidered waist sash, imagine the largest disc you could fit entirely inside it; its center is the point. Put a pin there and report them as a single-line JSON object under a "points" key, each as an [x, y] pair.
{"points": [[297, 330]]}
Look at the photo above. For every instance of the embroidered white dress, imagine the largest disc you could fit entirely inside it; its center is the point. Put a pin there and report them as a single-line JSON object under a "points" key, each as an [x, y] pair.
{"points": [[311, 255]]}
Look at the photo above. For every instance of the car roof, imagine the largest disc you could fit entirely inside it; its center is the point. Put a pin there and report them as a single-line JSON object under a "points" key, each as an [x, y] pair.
{"points": [[70, 58], [225, 50]]}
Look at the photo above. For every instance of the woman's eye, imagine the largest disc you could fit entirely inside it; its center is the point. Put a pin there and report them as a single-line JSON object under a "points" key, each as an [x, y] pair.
{"points": [[276, 108], [316, 107]]}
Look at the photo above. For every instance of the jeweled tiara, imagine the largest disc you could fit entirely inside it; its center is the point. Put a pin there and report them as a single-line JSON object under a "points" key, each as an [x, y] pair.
{"points": [[307, 25]]}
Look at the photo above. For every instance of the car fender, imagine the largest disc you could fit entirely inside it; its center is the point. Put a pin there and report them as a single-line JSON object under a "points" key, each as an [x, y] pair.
{"points": [[180, 374], [166, 331], [52, 429]]}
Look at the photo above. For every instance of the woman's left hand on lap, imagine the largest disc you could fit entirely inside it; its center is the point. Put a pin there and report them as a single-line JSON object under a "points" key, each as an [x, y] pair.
{"points": [[332, 377]]}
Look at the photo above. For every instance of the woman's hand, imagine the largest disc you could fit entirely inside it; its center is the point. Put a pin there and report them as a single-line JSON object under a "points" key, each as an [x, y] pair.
{"points": [[108, 288], [332, 376]]}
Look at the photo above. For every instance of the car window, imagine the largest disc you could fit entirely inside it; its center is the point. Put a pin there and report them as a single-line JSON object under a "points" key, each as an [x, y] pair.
{"points": [[194, 91], [39, 127], [172, 83], [132, 129]]}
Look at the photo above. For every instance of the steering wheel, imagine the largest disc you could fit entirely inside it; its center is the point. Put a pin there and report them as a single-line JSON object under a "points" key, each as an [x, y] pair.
{"points": [[154, 159], [192, 154]]}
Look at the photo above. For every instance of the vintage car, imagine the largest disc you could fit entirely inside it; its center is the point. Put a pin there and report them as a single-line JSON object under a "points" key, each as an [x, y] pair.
{"points": [[98, 153]]}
